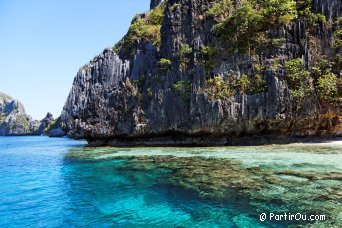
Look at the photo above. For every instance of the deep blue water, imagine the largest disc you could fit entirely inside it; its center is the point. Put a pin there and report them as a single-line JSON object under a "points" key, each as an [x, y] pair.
{"points": [[47, 182]]}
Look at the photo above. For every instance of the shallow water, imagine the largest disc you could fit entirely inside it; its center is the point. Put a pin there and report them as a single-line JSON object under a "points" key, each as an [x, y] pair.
{"points": [[59, 182]]}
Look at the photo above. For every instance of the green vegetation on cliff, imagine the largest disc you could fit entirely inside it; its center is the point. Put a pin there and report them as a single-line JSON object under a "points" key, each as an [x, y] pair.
{"points": [[217, 88], [299, 80], [218, 67], [338, 34], [183, 89], [220, 10], [144, 27], [207, 54], [164, 64], [326, 81], [184, 55], [224, 89], [319, 79], [245, 28]]}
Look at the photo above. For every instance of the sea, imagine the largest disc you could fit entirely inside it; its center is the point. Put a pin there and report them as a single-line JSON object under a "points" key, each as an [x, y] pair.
{"points": [[60, 182]]}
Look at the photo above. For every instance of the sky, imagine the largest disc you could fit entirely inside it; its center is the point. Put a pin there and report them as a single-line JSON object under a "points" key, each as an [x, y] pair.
{"points": [[43, 43]]}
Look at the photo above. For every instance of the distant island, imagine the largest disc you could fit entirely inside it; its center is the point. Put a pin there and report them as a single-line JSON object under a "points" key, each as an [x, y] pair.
{"points": [[15, 122]]}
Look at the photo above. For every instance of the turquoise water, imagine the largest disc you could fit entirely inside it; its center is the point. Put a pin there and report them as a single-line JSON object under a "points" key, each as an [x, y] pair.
{"points": [[60, 182]]}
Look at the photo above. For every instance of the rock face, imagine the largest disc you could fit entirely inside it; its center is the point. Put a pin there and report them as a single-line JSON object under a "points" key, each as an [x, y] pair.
{"points": [[55, 129], [116, 100], [15, 122], [13, 119], [155, 3], [44, 124]]}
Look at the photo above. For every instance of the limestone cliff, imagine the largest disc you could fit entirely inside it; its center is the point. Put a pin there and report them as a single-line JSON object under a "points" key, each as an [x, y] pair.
{"points": [[213, 72], [15, 122]]}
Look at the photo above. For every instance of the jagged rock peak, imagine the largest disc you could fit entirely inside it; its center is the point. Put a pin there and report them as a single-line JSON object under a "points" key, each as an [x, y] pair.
{"points": [[49, 116], [155, 3], [44, 124], [13, 118]]}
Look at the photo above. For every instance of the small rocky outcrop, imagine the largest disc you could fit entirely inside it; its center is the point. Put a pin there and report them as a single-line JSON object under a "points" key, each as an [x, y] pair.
{"points": [[44, 124], [213, 72], [55, 129]]}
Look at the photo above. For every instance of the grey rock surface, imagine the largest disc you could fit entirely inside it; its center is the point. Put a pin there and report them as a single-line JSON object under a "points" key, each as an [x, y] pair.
{"points": [[155, 3], [13, 118], [43, 124], [55, 129], [15, 122], [118, 101], [56, 132]]}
